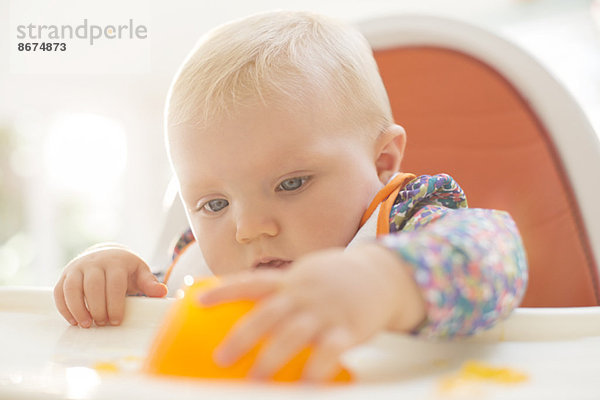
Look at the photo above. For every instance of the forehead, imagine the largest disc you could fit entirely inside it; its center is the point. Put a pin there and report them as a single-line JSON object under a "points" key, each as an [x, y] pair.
{"points": [[254, 137]]}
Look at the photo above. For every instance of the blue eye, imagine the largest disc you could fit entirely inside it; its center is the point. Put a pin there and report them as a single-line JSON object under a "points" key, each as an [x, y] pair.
{"points": [[293, 183], [215, 205]]}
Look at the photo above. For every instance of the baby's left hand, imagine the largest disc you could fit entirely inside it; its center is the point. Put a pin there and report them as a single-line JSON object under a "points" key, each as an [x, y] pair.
{"points": [[330, 299]]}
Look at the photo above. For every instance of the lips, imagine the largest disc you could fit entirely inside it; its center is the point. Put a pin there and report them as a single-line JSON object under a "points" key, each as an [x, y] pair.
{"points": [[271, 262]]}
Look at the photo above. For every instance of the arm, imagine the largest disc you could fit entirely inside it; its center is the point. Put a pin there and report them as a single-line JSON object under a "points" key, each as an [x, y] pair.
{"points": [[469, 264]]}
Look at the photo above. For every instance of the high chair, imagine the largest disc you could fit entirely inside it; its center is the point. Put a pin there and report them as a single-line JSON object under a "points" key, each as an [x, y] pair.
{"points": [[484, 111]]}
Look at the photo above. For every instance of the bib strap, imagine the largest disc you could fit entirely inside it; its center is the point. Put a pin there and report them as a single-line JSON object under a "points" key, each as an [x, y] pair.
{"points": [[386, 197]]}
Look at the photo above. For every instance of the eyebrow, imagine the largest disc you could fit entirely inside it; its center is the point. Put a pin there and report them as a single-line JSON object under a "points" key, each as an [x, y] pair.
{"points": [[284, 162]]}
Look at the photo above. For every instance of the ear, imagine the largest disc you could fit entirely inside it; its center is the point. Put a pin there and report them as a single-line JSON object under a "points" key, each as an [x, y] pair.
{"points": [[389, 151]]}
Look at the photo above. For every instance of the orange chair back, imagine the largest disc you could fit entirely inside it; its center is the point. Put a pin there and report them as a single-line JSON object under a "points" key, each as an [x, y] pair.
{"points": [[463, 118]]}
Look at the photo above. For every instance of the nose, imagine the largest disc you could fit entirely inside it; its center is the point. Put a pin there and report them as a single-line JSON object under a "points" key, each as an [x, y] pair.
{"points": [[252, 223]]}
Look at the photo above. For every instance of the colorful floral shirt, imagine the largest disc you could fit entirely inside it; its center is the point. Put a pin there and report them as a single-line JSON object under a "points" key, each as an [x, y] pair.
{"points": [[470, 263]]}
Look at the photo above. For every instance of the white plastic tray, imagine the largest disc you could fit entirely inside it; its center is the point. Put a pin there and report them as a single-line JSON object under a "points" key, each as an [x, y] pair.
{"points": [[42, 357]]}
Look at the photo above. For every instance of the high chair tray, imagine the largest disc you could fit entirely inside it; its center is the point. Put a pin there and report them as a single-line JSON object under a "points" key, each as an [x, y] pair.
{"points": [[535, 354]]}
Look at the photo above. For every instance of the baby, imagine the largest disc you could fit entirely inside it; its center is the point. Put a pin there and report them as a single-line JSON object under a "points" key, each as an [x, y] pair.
{"points": [[281, 136]]}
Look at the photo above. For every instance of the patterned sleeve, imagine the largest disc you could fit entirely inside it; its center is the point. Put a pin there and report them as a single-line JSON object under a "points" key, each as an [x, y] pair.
{"points": [[184, 240], [469, 263]]}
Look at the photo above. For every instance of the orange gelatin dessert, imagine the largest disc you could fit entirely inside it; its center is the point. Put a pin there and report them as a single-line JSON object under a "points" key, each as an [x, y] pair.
{"points": [[190, 333]]}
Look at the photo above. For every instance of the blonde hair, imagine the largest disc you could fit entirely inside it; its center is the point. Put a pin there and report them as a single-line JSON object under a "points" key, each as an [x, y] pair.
{"points": [[275, 55]]}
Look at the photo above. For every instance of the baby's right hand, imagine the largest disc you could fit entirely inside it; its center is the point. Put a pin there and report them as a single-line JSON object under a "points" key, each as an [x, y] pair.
{"points": [[93, 286]]}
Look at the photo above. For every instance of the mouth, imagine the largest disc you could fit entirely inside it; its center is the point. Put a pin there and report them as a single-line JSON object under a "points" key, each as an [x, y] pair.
{"points": [[270, 262]]}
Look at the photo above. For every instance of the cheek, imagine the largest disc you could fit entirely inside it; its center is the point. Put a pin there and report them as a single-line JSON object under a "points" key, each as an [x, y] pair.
{"points": [[354, 194], [333, 216], [214, 248]]}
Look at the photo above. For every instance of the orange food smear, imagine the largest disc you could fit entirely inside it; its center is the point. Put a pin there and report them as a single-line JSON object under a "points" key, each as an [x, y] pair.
{"points": [[475, 371], [103, 366], [480, 371]]}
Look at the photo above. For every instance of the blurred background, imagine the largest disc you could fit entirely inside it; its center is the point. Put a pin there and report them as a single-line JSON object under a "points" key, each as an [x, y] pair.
{"points": [[81, 154]]}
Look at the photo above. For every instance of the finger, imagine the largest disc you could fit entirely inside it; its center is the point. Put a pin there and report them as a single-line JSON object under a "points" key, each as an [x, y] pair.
{"points": [[95, 294], [59, 300], [148, 284], [246, 333], [116, 290], [253, 286], [73, 289], [291, 336], [324, 361]]}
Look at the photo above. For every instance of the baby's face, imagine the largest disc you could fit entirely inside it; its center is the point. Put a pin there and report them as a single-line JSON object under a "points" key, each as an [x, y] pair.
{"points": [[268, 186]]}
